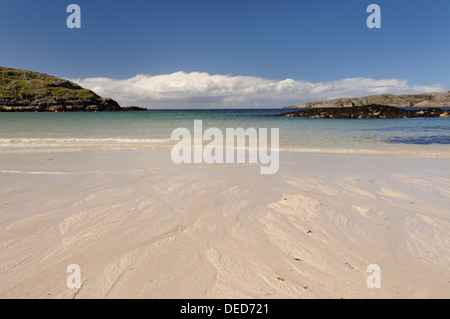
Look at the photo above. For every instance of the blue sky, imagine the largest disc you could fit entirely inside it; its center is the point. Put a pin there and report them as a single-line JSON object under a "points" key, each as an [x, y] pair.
{"points": [[306, 41]]}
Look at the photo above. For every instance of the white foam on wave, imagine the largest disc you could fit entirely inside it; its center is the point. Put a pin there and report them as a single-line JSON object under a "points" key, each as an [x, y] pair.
{"points": [[357, 151], [41, 142], [34, 173]]}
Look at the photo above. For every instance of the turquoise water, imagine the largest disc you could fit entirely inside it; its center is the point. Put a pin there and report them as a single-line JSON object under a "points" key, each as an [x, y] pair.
{"points": [[76, 131]]}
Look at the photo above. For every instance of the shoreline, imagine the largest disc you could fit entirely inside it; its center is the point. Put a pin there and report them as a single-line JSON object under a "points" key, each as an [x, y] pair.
{"points": [[408, 151]]}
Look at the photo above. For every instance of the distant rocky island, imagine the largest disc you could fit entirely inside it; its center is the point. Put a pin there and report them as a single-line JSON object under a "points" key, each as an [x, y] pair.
{"points": [[403, 101], [27, 91], [372, 111]]}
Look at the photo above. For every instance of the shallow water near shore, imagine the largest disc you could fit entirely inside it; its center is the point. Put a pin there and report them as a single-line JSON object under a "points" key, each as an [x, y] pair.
{"points": [[428, 137]]}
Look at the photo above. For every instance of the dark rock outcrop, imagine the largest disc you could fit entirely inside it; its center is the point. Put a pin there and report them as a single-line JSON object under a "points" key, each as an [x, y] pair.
{"points": [[60, 105], [366, 112], [133, 109]]}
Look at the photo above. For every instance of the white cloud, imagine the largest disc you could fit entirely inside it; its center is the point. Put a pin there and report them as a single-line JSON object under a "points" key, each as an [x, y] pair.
{"points": [[202, 90]]}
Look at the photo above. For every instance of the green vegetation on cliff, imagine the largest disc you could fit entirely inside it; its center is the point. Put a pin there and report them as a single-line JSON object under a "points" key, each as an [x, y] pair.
{"points": [[27, 91], [27, 85]]}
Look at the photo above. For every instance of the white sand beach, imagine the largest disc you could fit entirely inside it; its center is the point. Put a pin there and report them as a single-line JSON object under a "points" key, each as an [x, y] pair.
{"points": [[140, 226]]}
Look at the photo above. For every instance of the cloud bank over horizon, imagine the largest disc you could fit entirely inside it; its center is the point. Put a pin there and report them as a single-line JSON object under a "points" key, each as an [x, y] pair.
{"points": [[201, 90]]}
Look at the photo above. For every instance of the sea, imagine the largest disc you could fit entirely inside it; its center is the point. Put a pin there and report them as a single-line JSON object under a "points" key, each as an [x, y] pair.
{"points": [[424, 137]]}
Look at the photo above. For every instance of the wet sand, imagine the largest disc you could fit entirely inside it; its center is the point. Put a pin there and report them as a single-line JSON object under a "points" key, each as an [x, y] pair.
{"points": [[140, 226]]}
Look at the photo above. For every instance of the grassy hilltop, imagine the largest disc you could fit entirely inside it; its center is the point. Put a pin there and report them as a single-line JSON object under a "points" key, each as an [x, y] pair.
{"points": [[22, 91], [27, 85]]}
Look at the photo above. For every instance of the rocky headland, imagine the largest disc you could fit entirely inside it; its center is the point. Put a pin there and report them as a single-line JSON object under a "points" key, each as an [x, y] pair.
{"points": [[373, 111], [27, 91], [411, 100]]}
